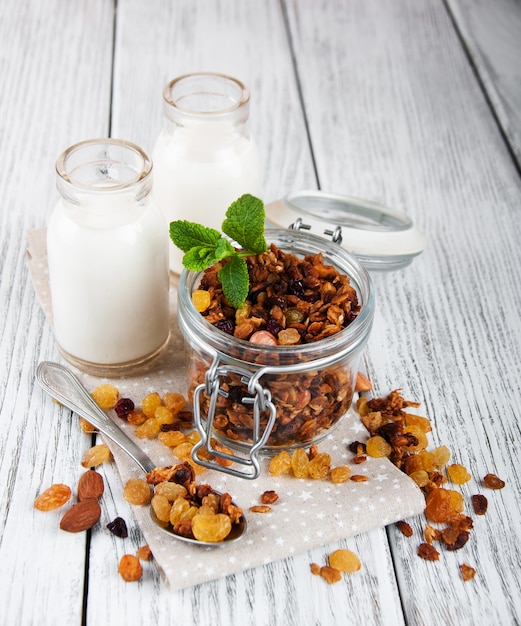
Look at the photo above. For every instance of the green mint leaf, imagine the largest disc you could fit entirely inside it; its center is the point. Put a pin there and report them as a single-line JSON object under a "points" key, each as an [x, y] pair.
{"points": [[199, 258], [244, 223], [223, 249], [235, 281], [187, 235]]}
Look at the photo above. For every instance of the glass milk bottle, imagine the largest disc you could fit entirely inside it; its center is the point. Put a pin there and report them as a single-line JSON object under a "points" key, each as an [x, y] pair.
{"points": [[107, 244], [205, 157]]}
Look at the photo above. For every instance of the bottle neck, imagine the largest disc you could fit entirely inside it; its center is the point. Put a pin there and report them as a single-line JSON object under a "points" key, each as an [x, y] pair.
{"points": [[103, 172], [206, 102]]}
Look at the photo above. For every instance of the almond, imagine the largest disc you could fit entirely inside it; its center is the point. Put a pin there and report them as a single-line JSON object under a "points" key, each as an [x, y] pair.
{"points": [[81, 516], [362, 383], [90, 486]]}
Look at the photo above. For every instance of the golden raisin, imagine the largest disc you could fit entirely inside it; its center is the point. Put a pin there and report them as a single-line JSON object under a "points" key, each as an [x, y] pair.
{"points": [[183, 450], [377, 447], [136, 417], [345, 561], [170, 490], [280, 464], [161, 506], [201, 299], [171, 438], [148, 429], [164, 415], [96, 455], [130, 568], [439, 505], [53, 497], [137, 491], [458, 474], [300, 463], [319, 466], [420, 477], [211, 528], [174, 401], [150, 403], [340, 474], [106, 396], [440, 456], [87, 427]]}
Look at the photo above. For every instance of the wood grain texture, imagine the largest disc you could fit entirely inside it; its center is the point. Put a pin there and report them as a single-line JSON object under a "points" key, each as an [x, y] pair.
{"points": [[395, 113], [413, 131], [55, 61], [492, 34]]}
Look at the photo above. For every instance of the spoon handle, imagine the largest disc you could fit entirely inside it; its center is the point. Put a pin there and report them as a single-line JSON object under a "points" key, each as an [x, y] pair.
{"points": [[65, 387]]}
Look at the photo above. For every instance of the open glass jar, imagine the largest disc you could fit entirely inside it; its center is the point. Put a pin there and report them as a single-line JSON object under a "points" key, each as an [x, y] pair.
{"points": [[261, 399]]}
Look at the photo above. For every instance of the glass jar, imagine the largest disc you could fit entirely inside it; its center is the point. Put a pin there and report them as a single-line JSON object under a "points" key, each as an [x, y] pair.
{"points": [[261, 399], [107, 245], [205, 157]]}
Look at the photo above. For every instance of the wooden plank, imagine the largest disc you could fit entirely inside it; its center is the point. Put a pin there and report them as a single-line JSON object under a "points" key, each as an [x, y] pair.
{"points": [[248, 40], [492, 35], [410, 127], [55, 62]]}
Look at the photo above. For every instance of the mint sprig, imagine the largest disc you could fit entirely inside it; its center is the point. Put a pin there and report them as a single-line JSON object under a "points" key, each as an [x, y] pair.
{"points": [[203, 246]]}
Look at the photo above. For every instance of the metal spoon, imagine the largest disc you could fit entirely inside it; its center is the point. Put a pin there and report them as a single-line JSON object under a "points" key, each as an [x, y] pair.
{"points": [[60, 383]]}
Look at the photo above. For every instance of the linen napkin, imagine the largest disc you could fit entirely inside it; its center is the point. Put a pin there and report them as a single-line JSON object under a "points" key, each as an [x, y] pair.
{"points": [[308, 513]]}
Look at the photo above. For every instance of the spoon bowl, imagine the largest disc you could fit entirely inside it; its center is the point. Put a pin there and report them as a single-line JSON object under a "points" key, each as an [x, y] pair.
{"points": [[64, 386]]}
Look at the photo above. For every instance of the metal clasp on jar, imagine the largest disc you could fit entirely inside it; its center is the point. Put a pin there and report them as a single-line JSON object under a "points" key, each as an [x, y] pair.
{"points": [[261, 402]]}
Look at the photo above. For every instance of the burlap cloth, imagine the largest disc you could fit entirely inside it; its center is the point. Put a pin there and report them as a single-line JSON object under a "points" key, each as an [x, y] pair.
{"points": [[309, 513]]}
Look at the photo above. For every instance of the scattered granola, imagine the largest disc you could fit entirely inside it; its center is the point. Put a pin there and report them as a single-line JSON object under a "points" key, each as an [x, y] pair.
{"points": [[467, 572]]}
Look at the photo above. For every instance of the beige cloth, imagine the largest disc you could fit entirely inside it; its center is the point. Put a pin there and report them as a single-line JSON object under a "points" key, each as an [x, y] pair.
{"points": [[309, 513]]}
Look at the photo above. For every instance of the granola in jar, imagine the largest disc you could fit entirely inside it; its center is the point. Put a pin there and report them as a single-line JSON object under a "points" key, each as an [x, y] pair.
{"points": [[299, 334]]}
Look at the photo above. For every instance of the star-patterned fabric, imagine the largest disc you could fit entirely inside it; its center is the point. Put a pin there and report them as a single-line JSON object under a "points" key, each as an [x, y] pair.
{"points": [[308, 513]]}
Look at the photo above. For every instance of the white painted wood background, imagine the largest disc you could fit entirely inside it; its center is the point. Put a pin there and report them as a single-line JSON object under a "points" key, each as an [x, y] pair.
{"points": [[412, 103]]}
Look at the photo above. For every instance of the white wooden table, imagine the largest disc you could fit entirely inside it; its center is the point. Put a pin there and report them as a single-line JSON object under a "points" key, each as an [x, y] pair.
{"points": [[412, 103]]}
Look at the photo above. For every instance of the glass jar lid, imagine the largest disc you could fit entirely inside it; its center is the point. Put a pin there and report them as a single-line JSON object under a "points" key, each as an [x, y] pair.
{"points": [[381, 238]]}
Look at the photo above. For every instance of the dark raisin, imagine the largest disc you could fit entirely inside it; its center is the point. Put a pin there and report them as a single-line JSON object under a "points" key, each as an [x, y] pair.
{"points": [[227, 326], [123, 407], [273, 327], [118, 527], [296, 287], [480, 504]]}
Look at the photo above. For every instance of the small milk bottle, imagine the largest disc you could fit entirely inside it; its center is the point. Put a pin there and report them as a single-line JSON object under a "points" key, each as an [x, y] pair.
{"points": [[205, 157], [107, 245]]}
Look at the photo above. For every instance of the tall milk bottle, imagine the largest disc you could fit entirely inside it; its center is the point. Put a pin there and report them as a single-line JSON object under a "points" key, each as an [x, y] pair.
{"points": [[205, 157], [107, 245]]}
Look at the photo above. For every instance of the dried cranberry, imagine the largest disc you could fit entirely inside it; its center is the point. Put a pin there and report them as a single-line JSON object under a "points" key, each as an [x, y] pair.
{"points": [[227, 326], [273, 327], [118, 527], [123, 407]]}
